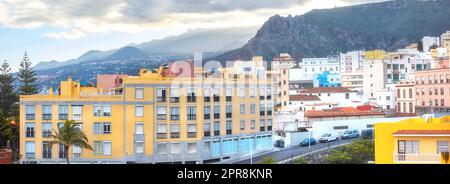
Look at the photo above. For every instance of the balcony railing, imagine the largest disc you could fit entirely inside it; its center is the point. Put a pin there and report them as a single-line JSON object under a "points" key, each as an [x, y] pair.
{"points": [[29, 116], [192, 134], [30, 155], [417, 158], [228, 98], [206, 99]]}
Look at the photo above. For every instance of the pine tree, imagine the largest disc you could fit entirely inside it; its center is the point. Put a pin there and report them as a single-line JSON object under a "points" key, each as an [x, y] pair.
{"points": [[7, 95], [27, 77]]}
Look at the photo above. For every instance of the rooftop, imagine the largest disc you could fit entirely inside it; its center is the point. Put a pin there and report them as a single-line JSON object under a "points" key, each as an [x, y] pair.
{"points": [[328, 90], [304, 98], [422, 132], [341, 112]]}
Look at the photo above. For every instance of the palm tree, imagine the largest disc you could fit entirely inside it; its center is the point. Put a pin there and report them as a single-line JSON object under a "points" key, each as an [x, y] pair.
{"points": [[69, 135]]}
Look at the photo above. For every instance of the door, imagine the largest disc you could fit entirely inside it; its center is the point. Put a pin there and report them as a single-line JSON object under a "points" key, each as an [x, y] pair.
{"points": [[401, 150]]}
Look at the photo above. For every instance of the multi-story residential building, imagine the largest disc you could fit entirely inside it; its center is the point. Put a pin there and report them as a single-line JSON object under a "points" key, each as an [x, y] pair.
{"points": [[385, 99], [351, 61], [295, 87], [412, 141], [405, 98], [432, 91], [374, 77], [280, 77], [440, 58], [353, 80], [445, 41], [219, 113], [342, 97], [428, 42], [311, 66], [327, 79], [110, 82]]}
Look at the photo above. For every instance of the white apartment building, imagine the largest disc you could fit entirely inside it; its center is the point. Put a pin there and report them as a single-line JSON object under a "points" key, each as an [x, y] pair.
{"points": [[336, 96], [353, 80], [312, 66], [374, 77], [429, 41], [386, 98], [351, 61]]}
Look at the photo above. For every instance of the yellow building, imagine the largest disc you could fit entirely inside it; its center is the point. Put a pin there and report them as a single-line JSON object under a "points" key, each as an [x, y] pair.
{"points": [[375, 55], [412, 141], [169, 115]]}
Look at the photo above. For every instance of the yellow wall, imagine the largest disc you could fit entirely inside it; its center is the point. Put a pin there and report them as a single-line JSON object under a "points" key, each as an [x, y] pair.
{"points": [[375, 54], [386, 143]]}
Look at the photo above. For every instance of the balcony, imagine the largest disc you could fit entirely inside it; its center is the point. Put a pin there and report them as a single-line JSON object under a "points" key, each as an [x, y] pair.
{"points": [[191, 99], [30, 116], [161, 136], [46, 133], [46, 154], [229, 115], [207, 134], [174, 135], [216, 98], [229, 132], [207, 116], [192, 134], [216, 133], [161, 99], [30, 155], [262, 129], [216, 116], [417, 158], [141, 137], [175, 117]]}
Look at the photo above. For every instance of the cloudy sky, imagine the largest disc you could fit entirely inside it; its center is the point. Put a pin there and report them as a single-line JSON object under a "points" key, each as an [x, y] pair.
{"points": [[65, 29]]}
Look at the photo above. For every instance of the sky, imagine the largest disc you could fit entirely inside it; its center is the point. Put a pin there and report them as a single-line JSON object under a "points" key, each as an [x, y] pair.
{"points": [[64, 29]]}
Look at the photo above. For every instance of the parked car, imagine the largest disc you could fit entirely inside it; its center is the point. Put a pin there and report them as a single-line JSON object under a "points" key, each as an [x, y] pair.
{"points": [[327, 137], [367, 134], [308, 141], [279, 144], [349, 134]]}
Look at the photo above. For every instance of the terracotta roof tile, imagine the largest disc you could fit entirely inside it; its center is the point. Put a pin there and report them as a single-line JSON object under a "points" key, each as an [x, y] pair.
{"points": [[423, 132], [304, 98]]}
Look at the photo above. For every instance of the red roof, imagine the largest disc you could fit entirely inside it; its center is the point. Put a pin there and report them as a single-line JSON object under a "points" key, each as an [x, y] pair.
{"points": [[435, 132], [327, 90], [304, 98]]}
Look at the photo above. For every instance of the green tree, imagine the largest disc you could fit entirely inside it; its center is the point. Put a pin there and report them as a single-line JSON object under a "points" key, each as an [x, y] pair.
{"points": [[268, 160], [7, 96], [69, 135], [358, 152], [27, 77], [300, 160]]}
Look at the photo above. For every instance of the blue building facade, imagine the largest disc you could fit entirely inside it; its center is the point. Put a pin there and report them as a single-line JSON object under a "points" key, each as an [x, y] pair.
{"points": [[327, 79]]}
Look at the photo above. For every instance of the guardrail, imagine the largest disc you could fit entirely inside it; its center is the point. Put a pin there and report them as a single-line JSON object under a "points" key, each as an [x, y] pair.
{"points": [[417, 158]]}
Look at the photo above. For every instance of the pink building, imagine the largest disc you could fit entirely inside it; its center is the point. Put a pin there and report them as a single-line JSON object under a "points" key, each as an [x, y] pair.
{"points": [[108, 82], [432, 91], [405, 98]]}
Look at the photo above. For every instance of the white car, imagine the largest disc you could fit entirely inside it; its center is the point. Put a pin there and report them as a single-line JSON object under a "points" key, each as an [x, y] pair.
{"points": [[327, 137]]}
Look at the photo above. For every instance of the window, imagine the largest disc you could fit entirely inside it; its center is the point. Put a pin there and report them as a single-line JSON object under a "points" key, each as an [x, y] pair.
{"points": [[46, 112], [77, 112], [206, 112], [139, 146], [207, 146], [347, 96], [174, 95], [229, 94], [442, 146], [63, 112], [161, 113], [242, 124], [107, 147], [229, 111], [191, 113], [76, 151], [46, 150], [262, 125], [30, 127], [242, 108], [242, 92], [97, 128], [192, 147], [411, 147], [139, 128], [192, 130], [174, 113], [191, 96], [261, 109], [269, 124], [106, 110], [106, 128], [139, 110], [216, 94], [46, 130], [252, 124], [216, 111], [388, 98], [269, 109], [139, 93], [217, 128], [207, 129], [30, 150], [252, 92], [175, 147], [160, 95], [229, 127], [161, 132], [97, 110], [30, 111], [161, 148], [206, 95], [252, 108], [175, 131], [62, 152]]}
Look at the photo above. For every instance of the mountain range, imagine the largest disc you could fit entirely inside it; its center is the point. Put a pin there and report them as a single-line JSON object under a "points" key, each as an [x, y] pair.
{"points": [[387, 25]]}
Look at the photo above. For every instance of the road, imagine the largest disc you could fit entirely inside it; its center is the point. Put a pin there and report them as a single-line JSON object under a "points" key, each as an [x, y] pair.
{"points": [[288, 153]]}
